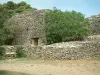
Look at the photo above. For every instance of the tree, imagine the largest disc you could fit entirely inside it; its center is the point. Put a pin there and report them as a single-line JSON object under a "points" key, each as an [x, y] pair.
{"points": [[3, 17], [65, 26], [23, 6], [11, 5]]}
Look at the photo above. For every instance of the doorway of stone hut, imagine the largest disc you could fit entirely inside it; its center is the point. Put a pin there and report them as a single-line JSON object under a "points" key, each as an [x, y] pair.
{"points": [[34, 41]]}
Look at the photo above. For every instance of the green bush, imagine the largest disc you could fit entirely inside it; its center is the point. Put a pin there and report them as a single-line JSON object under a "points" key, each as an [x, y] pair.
{"points": [[20, 52], [2, 52], [65, 26], [4, 72]]}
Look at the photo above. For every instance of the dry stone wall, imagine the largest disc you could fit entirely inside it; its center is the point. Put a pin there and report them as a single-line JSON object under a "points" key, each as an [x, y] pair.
{"points": [[93, 38], [61, 51]]}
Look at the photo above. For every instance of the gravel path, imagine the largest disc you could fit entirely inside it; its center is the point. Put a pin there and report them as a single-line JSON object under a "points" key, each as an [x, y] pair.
{"points": [[81, 67]]}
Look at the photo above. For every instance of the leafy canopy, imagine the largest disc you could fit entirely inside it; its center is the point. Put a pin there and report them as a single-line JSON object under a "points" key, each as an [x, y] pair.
{"points": [[65, 26]]}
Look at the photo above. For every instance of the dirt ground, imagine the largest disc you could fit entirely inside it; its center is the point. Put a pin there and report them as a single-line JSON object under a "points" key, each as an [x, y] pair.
{"points": [[41, 67]]}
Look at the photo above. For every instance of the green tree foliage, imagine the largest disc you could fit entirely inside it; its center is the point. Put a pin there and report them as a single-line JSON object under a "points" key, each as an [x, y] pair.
{"points": [[23, 6], [65, 26], [7, 10], [3, 17]]}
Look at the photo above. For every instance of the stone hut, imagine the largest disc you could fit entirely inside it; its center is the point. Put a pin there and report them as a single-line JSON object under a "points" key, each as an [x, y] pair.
{"points": [[28, 28], [95, 24]]}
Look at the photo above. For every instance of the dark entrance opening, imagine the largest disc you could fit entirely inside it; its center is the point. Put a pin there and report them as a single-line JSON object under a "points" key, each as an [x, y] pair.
{"points": [[35, 41], [9, 41]]}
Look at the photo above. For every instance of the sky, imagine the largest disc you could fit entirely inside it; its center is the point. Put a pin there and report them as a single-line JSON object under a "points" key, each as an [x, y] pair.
{"points": [[87, 7]]}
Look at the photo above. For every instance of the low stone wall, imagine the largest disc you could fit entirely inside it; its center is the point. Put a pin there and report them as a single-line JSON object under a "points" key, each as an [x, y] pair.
{"points": [[61, 51], [93, 38]]}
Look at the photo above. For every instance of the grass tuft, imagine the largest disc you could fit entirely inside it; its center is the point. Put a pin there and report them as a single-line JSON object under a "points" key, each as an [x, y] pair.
{"points": [[4, 72]]}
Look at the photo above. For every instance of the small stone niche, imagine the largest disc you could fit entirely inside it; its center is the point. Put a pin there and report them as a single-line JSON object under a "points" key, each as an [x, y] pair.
{"points": [[34, 41]]}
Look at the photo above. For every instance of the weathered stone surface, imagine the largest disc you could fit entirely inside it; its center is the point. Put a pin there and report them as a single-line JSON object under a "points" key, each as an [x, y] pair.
{"points": [[62, 51], [95, 24], [26, 26], [93, 38]]}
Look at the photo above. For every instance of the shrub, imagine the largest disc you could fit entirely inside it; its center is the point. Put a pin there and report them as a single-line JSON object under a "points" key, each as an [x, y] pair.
{"points": [[20, 52], [4, 72], [2, 52]]}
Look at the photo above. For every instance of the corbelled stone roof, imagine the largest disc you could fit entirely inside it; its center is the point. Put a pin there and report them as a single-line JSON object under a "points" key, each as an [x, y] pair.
{"points": [[28, 25]]}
